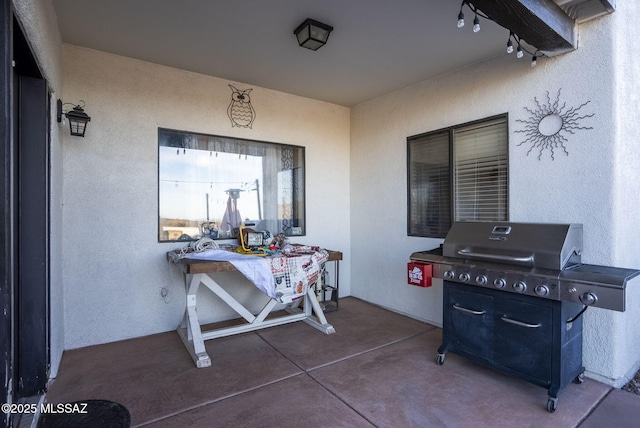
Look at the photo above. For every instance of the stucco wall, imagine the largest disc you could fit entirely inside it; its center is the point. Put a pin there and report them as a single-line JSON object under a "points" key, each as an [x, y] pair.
{"points": [[114, 268], [625, 189], [581, 187]]}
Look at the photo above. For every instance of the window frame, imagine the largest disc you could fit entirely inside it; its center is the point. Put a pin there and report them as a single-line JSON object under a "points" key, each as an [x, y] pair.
{"points": [[450, 133], [298, 178]]}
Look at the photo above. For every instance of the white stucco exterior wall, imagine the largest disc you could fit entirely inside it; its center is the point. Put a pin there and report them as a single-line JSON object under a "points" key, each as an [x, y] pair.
{"points": [[113, 266], [589, 186], [625, 189]]}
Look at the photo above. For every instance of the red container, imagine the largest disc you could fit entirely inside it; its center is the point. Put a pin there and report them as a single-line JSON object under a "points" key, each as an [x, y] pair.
{"points": [[419, 274]]}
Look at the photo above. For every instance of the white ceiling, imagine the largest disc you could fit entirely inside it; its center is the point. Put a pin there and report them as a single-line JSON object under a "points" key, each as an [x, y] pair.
{"points": [[377, 46]]}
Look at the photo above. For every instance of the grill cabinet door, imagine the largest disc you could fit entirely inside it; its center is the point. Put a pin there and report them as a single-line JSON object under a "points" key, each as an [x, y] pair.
{"points": [[522, 337], [470, 323]]}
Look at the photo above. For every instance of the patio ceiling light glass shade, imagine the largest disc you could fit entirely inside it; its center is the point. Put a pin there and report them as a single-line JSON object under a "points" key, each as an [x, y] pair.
{"points": [[312, 34]]}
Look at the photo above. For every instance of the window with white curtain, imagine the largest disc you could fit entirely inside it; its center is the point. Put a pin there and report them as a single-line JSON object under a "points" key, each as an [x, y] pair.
{"points": [[209, 185], [456, 174]]}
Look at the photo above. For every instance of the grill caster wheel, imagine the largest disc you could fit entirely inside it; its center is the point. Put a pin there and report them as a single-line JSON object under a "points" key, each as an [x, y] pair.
{"points": [[579, 378], [440, 359], [552, 404]]}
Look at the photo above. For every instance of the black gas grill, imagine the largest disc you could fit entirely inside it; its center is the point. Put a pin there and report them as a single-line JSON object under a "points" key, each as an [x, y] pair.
{"points": [[513, 296]]}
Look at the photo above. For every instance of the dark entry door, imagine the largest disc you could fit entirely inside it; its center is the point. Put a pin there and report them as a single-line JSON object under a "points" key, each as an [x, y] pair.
{"points": [[6, 221], [32, 291], [24, 207]]}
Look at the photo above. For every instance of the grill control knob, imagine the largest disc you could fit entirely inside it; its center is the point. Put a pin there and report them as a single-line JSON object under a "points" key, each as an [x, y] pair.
{"points": [[499, 283], [520, 286], [542, 290], [464, 277], [588, 298], [449, 274], [481, 279]]}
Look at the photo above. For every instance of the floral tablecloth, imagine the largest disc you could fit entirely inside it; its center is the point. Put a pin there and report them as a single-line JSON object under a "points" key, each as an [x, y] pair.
{"points": [[284, 277]]}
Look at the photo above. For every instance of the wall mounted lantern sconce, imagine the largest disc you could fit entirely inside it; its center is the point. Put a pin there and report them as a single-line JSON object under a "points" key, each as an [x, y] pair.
{"points": [[312, 34], [77, 118]]}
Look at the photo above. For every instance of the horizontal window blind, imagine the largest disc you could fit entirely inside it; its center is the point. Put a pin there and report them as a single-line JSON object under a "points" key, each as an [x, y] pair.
{"points": [[429, 185], [480, 179], [457, 174]]}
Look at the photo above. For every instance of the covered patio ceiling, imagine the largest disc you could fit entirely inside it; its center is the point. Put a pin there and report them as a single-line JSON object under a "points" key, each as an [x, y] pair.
{"points": [[377, 46]]}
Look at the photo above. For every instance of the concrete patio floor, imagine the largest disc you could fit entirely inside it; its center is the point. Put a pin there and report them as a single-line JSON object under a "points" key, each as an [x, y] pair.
{"points": [[378, 369]]}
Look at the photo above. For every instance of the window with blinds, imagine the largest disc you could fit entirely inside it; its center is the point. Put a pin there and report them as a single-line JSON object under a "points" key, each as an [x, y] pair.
{"points": [[429, 185], [458, 173]]}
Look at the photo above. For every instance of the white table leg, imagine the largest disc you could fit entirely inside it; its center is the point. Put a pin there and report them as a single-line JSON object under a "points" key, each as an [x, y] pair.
{"points": [[193, 337], [320, 321]]}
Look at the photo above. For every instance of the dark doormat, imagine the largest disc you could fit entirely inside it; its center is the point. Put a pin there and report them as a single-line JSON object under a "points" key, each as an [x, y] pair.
{"points": [[86, 413]]}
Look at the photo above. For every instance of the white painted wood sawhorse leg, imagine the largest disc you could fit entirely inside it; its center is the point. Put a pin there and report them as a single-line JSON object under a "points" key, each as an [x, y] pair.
{"points": [[193, 336]]}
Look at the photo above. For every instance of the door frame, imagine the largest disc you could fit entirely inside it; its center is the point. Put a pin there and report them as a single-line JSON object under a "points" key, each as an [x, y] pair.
{"points": [[7, 243], [25, 207]]}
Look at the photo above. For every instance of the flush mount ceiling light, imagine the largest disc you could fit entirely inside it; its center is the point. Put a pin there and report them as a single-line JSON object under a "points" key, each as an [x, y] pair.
{"points": [[78, 119], [312, 34]]}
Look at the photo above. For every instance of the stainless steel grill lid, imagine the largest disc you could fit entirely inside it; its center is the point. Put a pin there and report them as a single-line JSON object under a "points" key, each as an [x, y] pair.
{"points": [[535, 259], [547, 246]]}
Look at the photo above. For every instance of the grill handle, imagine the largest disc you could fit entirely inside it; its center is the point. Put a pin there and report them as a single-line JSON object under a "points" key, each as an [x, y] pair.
{"points": [[469, 311], [519, 323], [528, 260]]}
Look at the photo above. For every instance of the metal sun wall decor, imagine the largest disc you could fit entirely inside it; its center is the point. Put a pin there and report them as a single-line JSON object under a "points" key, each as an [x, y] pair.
{"points": [[549, 125], [240, 111]]}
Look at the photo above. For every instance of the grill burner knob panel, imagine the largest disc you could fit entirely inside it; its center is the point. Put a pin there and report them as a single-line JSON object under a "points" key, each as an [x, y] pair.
{"points": [[588, 298], [499, 283], [464, 277], [481, 279], [520, 286], [449, 274], [542, 290]]}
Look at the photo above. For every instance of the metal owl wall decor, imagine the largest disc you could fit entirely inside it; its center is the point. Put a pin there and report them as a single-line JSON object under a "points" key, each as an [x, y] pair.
{"points": [[240, 111], [550, 124]]}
